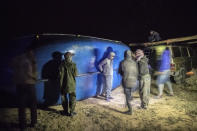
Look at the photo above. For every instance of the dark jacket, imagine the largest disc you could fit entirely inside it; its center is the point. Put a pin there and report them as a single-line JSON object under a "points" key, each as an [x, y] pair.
{"points": [[128, 70], [24, 70], [143, 66], [68, 72], [154, 37]]}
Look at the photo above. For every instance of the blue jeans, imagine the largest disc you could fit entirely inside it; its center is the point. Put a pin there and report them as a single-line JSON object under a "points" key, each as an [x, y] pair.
{"points": [[107, 85], [164, 79]]}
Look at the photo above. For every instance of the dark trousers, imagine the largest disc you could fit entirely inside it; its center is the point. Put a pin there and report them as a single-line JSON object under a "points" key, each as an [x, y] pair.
{"points": [[69, 102], [127, 92], [26, 98]]}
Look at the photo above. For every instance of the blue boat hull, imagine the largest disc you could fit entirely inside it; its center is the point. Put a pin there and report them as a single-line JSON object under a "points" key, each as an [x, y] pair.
{"points": [[88, 53]]}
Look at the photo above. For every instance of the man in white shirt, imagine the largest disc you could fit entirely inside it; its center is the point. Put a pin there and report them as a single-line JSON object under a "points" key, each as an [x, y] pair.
{"points": [[106, 68]]}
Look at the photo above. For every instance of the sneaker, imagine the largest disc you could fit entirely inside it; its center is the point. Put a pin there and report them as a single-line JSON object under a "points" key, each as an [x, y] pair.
{"points": [[107, 99], [144, 107], [171, 94], [158, 97], [96, 96], [110, 97], [128, 112], [64, 113], [102, 95]]}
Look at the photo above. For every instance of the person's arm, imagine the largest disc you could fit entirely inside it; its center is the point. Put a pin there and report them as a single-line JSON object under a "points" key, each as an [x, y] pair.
{"points": [[139, 58], [28, 68], [100, 66], [61, 76], [75, 70], [158, 73], [120, 69]]}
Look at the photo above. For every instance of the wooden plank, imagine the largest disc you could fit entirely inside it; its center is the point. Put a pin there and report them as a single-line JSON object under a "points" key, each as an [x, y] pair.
{"points": [[168, 41]]}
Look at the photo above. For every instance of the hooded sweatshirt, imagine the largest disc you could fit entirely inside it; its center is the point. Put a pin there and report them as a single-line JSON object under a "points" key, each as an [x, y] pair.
{"points": [[106, 66], [128, 70]]}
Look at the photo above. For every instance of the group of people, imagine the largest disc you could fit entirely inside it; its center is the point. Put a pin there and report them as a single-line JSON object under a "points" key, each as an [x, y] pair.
{"points": [[25, 78], [133, 69]]}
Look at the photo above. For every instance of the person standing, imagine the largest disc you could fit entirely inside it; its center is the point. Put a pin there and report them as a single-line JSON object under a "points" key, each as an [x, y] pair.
{"points": [[129, 72], [106, 68], [25, 77], [144, 78], [68, 72], [164, 73]]}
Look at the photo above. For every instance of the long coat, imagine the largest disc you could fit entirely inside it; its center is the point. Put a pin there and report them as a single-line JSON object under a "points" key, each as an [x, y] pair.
{"points": [[68, 72]]}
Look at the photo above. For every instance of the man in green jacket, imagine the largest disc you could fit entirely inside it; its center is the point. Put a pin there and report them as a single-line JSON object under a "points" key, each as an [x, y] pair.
{"points": [[144, 78], [68, 72]]}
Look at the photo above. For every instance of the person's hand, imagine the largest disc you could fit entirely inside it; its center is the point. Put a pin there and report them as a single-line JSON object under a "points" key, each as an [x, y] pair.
{"points": [[139, 58], [100, 71], [158, 73]]}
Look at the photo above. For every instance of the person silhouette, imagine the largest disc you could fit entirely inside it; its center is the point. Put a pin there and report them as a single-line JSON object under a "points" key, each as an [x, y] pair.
{"points": [[25, 78], [100, 90], [106, 68], [50, 71]]}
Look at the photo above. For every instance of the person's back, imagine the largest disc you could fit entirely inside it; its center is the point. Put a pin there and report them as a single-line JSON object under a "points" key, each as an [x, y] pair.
{"points": [[129, 72], [165, 60]]}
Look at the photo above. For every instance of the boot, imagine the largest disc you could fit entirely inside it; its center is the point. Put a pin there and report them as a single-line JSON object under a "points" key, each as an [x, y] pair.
{"points": [[129, 112], [73, 113]]}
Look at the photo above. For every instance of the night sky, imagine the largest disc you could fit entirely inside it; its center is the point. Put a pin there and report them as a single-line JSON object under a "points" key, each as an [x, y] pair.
{"points": [[126, 20]]}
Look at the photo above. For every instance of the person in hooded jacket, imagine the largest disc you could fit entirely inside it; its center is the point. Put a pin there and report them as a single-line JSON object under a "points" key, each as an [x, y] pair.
{"points": [[144, 78], [164, 73], [106, 68], [129, 72], [68, 72]]}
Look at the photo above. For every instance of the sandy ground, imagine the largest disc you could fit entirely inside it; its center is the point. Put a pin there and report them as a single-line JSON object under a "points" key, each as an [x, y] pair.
{"points": [[177, 113]]}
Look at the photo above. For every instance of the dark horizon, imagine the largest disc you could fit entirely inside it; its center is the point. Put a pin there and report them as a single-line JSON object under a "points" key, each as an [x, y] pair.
{"points": [[126, 21]]}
